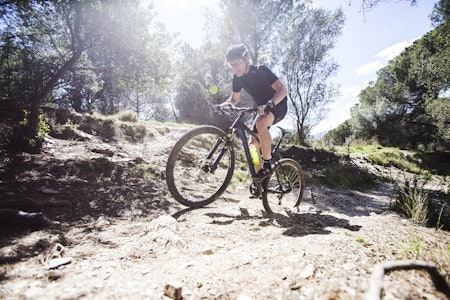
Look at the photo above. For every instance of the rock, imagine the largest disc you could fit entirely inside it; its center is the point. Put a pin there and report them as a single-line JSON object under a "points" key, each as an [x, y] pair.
{"points": [[207, 251], [101, 223], [57, 262], [173, 290], [307, 272], [104, 149], [48, 191], [53, 275], [167, 237], [15, 220], [164, 221]]}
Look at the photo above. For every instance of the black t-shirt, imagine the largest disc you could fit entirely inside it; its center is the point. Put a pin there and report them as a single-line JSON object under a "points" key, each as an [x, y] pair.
{"points": [[257, 82]]}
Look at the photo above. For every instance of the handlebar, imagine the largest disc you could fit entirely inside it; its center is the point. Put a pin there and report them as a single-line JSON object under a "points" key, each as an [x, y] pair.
{"points": [[227, 110]]}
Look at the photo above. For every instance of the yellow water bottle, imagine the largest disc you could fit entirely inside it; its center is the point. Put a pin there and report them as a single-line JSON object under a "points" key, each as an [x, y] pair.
{"points": [[254, 154]]}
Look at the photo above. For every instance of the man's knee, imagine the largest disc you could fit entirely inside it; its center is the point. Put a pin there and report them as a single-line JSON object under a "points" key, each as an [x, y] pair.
{"points": [[264, 123]]}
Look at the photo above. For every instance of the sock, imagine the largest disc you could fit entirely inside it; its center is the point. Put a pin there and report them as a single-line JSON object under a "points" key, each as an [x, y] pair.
{"points": [[266, 164]]}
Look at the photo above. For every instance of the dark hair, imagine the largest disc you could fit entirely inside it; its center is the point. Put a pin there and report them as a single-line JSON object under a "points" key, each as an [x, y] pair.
{"points": [[238, 51]]}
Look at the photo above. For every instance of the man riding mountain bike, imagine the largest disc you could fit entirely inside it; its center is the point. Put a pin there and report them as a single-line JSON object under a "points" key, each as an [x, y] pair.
{"points": [[268, 92]]}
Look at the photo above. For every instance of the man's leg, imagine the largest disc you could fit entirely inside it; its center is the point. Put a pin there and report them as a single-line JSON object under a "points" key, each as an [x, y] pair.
{"points": [[257, 146], [262, 124]]}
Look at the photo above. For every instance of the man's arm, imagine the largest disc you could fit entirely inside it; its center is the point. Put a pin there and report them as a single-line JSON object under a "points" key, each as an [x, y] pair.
{"points": [[235, 97], [232, 101], [280, 91]]}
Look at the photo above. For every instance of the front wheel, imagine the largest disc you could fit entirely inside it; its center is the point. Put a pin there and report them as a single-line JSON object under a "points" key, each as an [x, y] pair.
{"points": [[283, 190], [200, 166]]}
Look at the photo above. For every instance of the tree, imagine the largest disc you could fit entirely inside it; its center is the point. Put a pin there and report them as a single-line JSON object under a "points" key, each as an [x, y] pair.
{"points": [[407, 105], [441, 13], [192, 99], [306, 41], [401, 108], [61, 51], [254, 23], [339, 135], [370, 4], [439, 110]]}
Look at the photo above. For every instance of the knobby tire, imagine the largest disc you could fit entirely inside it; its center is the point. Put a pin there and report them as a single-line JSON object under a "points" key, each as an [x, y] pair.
{"points": [[283, 190], [188, 177]]}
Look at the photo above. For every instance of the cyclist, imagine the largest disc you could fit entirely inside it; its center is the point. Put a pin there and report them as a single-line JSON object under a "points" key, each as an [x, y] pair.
{"points": [[268, 92]]}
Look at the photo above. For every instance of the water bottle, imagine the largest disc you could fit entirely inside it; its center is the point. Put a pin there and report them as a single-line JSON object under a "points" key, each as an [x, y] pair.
{"points": [[254, 154]]}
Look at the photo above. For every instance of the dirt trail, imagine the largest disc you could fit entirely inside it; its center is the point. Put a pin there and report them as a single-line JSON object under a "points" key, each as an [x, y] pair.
{"points": [[121, 237]]}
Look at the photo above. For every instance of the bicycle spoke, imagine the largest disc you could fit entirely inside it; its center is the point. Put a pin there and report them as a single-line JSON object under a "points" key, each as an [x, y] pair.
{"points": [[284, 188], [200, 167]]}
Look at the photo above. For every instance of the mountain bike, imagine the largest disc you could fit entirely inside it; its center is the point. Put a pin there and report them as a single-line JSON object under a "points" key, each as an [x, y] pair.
{"points": [[201, 165]]}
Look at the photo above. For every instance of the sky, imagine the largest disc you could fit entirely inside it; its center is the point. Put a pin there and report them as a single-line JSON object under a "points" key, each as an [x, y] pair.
{"points": [[369, 40]]}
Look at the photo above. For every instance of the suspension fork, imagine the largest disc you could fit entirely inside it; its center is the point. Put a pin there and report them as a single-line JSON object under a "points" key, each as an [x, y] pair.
{"points": [[226, 139]]}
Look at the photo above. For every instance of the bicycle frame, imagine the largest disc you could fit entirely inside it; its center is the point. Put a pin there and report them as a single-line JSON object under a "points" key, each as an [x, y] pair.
{"points": [[240, 128]]}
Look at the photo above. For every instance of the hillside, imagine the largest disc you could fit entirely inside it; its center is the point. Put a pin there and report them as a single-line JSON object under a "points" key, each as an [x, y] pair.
{"points": [[105, 227]]}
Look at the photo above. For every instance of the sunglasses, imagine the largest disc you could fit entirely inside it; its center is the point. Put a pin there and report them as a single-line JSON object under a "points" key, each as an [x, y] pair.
{"points": [[234, 64]]}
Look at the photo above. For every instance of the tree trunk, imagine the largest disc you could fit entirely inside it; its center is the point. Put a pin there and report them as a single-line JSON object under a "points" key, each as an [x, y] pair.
{"points": [[38, 99], [78, 46]]}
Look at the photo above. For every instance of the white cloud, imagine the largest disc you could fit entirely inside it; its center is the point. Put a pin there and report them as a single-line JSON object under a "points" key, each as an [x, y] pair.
{"points": [[383, 57], [339, 110], [370, 68], [350, 91], [394, 50]]}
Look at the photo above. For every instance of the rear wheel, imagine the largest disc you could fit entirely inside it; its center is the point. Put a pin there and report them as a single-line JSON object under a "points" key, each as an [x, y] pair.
{"points": [[283, 190], [200, 166]]}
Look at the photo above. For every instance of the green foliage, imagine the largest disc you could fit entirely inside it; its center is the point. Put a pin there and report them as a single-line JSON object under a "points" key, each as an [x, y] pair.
{"points": [[91, 169], [134, 132], [414, 201], [388, 156], [143, 170], [85, 56], [308, 35], [439, 110], [339, 135], [416, 162], [43, 129], [192, 98], [405, 106], [240, 177], [128, 116], [345, 175], [361, 239], [248, 22], [413, 247], [441, 12]]}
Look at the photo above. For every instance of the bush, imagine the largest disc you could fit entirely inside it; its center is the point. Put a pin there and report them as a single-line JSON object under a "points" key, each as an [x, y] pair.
{"points": [[128, 116], [134, 133], [414, 202], [346, 174]]}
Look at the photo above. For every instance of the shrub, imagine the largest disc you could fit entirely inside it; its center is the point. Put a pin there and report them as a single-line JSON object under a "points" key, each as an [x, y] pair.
{"points": [[128, 116], [32, 144], [134, 133], [347, 175], [414, 202]]}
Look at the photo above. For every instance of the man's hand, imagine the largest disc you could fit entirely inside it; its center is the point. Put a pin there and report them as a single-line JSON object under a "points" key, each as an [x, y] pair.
{"points": [[265, 109], [219, 107]]}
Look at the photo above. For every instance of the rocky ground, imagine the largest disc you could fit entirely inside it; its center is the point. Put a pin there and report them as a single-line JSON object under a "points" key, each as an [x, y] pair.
{"points": [[109, 230]]}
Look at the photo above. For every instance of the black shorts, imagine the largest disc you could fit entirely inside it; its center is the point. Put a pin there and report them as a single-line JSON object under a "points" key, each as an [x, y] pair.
{"points": [[279, 111]]}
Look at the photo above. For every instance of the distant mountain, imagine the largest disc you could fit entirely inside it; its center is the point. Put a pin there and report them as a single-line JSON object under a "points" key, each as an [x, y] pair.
{"points": [[319, 135]]}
